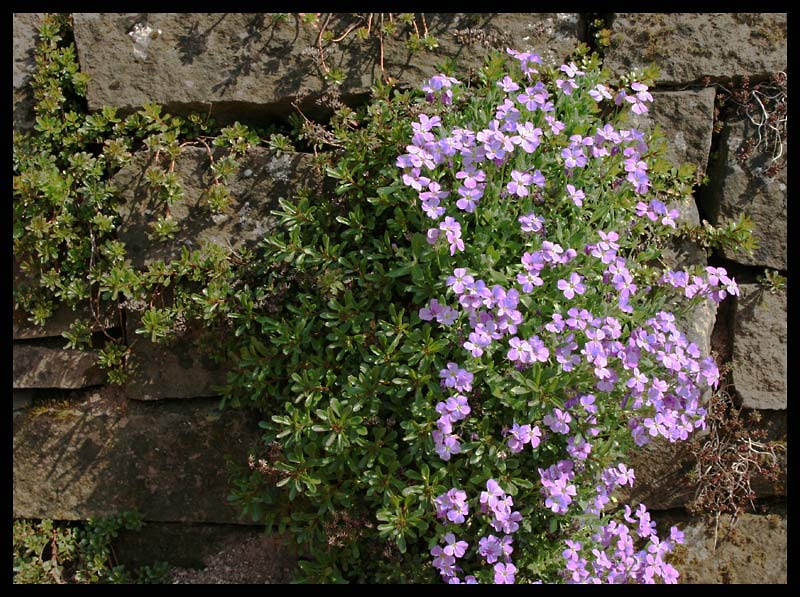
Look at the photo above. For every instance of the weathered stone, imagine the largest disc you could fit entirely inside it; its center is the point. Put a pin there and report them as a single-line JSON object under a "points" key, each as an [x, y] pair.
{"points": [[661, 470], [689, 46], [255, 187], [759, 348], [742, 188], [173, 369], [244, 65], [261, 556], [59, 322], [26, 25], [41, 367], [106, 455], [686, 119], [752, 551]]}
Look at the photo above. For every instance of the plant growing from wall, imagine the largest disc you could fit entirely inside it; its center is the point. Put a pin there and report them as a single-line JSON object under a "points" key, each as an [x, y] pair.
{"points": [[47, 552], [478, 331], [66, 210]]}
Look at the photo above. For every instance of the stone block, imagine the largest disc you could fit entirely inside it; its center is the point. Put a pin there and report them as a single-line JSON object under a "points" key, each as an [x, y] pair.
{"points": [[686, 118], [25, 35], [689, 46], [760, 348], [262, 177], [43, 367], [242, 66], [173, 369], [104, 454], [743, 188]]}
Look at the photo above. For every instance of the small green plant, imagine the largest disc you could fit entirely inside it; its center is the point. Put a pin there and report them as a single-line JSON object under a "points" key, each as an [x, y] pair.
{"points": [[772, 280], [66, 209], [46, 552]]}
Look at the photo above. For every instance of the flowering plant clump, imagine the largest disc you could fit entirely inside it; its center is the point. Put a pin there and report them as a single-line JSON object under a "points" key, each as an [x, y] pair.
{"points": [[504, 334], [542, 206]]}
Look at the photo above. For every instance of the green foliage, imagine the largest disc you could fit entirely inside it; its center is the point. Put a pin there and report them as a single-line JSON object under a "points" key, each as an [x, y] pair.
{"points": [[47, 552], [66, 209], [346, 374]]}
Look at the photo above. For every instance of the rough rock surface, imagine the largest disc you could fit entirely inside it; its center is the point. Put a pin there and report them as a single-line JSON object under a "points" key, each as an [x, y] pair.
{"points": [[753, 551], [255, 187], [59, 323], [690, 46], [174, 369], [686, 119], [760, 348], [103, 454], [739, 188], [43, 367], [24, 35], [241, 65]]}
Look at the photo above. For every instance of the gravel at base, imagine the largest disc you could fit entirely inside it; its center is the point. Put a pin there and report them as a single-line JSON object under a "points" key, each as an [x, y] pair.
{"points": [[259, 560]]}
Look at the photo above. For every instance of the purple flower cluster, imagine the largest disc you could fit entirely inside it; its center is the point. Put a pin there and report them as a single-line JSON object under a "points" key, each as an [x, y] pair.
{"points": [[638, 99], [653, 373], [444, 559], [519, 435], [452, 506], [614, 558], [557, 487], [717, 284], [656, 210]]}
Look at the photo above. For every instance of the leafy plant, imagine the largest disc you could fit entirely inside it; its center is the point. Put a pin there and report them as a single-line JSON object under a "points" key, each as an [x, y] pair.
{"points": [[478, 330], [47, 552]]}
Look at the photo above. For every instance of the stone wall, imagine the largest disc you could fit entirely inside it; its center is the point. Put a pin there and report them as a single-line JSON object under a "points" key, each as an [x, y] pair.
{"points": [[83, 448]]}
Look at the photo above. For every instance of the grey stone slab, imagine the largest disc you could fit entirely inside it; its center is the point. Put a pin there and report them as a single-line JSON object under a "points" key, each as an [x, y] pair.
{"points": [[25, 35], [261, 178], [760, 362], [744, 188], [41, 367], [753, 550], [105, 455], [60, 322], [238, 63], [176, 368], [689, 46], [686, 118]]}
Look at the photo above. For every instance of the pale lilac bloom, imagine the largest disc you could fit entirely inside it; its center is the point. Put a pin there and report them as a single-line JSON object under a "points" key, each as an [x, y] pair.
{"points": [[573, 286], [504, 573], [577, 195], [507, 84], [519, 184], [567, 86], [527, 137], [454, 547], [531, 223], [556, 126], [599, 92], [490, 548]]}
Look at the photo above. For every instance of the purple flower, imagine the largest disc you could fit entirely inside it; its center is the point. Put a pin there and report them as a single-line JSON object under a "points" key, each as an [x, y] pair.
{"points": [[504, 573], [573, 287], [490, 548], [454, 547], [576, 195], [507, 84], [456, 377], [519, 184], [528, 137], [459, 280], [599, 92], [558, 421]]}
